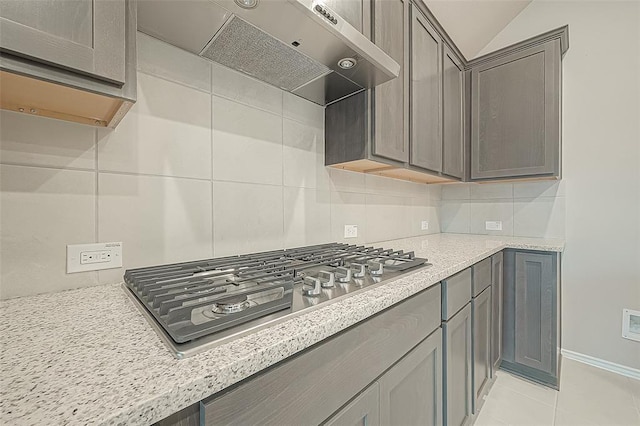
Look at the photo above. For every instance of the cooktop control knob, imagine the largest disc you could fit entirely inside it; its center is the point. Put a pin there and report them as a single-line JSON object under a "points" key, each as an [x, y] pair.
{"points": [[343, 275], [327, 279], [376, 269], [358, 270], [312, 286]]}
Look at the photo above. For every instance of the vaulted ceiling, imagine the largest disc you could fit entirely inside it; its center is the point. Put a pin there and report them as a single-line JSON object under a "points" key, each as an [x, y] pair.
{"points": [[472, 24]]}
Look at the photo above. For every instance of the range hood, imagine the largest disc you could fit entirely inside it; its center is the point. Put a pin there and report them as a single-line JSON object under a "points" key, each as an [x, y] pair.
{"points": [[301, 46]]}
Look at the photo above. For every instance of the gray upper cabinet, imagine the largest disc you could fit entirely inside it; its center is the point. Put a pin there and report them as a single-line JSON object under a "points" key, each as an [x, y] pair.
{"points": [[426, 94], [453, 117], [481, 312], [86, 36], [458, 367], [391, 105], [411, 391], [515, 113], [496, 310], [531, 339], [364, 410]]}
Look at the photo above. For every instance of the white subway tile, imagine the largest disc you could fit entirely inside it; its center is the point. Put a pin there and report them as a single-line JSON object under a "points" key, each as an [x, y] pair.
{"points": [[489, 191], [348, 208], [456, 191], [455, 217], [158, 219], [544, 188], [167, 132], [41, 211], [247, 218], [307, 217], [40, 141], [387, 217], [302, 110], [424, 210], [494, 210], [346, 181], [539, 217], [244, 89], [303, 156], [172, 63], [247, 143]]}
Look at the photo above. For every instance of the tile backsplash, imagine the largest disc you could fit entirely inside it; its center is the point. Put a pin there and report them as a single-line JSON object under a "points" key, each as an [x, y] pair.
{"points": [[526, 209], [207, 163]]}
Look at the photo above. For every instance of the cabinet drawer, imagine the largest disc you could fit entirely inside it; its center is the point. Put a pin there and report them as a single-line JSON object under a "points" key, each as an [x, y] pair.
{"points": [[330, 373], [456, 292], [481, 273]]}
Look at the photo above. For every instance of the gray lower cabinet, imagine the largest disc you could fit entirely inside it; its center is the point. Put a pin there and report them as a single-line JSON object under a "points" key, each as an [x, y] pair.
{"points": [[364, 410], [497, 265], [87, 36], [481, 321], [531, 339], [411, 391], [515, 113], [458, 386], [329, 375]]}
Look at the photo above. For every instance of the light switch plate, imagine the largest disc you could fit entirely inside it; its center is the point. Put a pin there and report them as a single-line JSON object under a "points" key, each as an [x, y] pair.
{"points": [[93, 257], [493, 225], [351, 231], [424, 225]]}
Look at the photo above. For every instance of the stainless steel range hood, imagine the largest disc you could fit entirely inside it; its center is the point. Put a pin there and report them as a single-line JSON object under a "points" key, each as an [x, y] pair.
{"points": [[296, 45]]}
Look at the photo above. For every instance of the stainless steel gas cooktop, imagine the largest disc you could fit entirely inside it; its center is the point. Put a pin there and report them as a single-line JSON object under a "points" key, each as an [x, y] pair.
{"points": [[197, 305]]}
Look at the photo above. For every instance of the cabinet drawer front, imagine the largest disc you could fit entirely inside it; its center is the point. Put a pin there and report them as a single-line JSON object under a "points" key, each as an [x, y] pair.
{"points": [[456, 292], [331, 373], [481, 272]]}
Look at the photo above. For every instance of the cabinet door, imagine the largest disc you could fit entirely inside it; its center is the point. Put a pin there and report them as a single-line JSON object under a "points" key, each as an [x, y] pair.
{"points": [[457, 381], [535, 316], [86, 36], [411, 391], [515, 111], [362, 411], [390, 100], [426, 100], [350, 10], [481, 312], [496, 311], [453, 124]]}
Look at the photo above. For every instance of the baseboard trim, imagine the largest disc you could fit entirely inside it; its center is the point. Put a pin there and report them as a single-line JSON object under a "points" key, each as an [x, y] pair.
{"points": [[623, 370]]}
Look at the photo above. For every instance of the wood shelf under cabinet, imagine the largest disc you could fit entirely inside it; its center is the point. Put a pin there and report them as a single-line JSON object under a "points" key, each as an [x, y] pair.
{"points": [[382, 169], [38, 97]]}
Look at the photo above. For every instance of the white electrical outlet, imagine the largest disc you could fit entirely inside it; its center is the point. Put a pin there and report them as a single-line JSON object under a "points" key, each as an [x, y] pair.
{"points": [[493, 225], [93, 257], [424, 225], [631, 324], [351, 231]]}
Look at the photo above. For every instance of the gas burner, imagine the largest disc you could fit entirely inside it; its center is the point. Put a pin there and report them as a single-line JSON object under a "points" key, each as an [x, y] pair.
{"points": [[231, 305], [198, 304]]}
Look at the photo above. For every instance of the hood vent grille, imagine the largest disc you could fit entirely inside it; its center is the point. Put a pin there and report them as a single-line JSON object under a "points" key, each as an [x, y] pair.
{"points": [[241, 46]]}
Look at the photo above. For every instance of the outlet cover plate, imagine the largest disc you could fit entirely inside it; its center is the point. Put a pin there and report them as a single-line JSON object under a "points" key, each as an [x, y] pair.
{"points": [[93, 257], [494, 225], [351, 231], [424, 225], [631, 324]]}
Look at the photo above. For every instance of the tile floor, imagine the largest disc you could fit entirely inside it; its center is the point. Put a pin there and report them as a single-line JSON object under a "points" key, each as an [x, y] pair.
{"points": [[588, 396]]}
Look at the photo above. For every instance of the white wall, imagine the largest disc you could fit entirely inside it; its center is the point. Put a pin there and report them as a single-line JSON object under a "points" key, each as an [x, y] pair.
{"points": [[601, 168], [207, 163]]}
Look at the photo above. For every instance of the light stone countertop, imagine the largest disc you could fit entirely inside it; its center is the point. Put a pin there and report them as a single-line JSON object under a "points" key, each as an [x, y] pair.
{"points": [[88, 356]]}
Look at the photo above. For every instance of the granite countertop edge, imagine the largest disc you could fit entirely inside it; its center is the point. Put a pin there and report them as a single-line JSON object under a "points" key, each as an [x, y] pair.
{"points": [[196, 378]]}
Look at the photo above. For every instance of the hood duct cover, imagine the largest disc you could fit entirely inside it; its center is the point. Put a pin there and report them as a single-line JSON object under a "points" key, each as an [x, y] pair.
{"points": [[241, 46]]}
